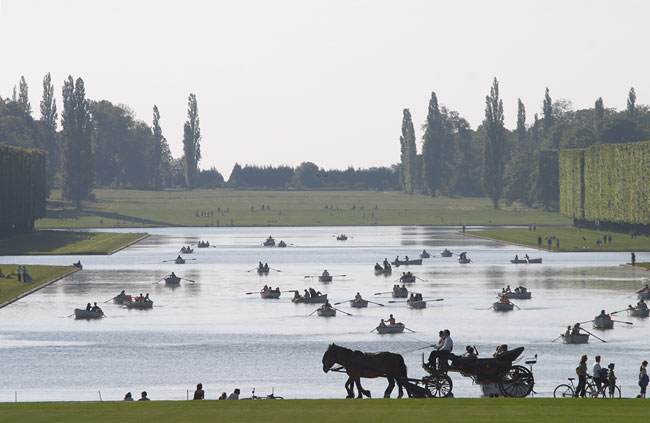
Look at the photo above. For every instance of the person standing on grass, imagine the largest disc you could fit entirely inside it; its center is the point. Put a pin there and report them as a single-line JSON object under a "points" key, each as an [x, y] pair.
{"points": [[581, 370], [20, 273], [643, 378], [199, 394], [595, 373]]}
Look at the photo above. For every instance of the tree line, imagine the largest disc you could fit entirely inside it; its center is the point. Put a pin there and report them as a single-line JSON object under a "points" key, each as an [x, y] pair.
{"points": [[512, 165]]}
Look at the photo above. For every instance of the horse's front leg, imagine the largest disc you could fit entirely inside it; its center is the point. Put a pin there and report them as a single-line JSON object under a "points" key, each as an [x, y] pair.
{"points": [[349, 386], [391, 385], [362, 391]]}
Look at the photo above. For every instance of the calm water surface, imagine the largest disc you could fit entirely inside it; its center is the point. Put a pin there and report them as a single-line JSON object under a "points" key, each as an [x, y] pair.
{"points": [[212, 332]]}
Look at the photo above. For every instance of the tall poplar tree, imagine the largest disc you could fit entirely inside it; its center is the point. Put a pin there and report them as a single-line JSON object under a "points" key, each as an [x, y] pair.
{"points": [[77, 149], [631, 104], [23, 96], [599, 116], [432, 145], [49, 117], [518, 169], [493, 149], [409, 168], [160, 150], [547, 108], [191, 142]]}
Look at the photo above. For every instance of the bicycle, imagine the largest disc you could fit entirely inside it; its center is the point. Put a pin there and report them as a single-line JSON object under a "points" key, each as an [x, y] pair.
{"points": [[565, 390], [271, 396]]}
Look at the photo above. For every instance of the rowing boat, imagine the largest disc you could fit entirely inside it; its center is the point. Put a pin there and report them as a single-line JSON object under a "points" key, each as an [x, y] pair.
{"points": [[644, 295], [271, 294], [139, 305], [398, 328], [407, 279], [499, 306], [325, 278], [408, 262], [263, 270], [310, 300], [326, 311], [80, 313], [416, 304], [119, 299], [270, 242], [581, 338], [358, 303], [425, 255], [172, 280], [400, 293], [464, 260], [603, 323], [516, 295], [638, 312], [384, 271], [282, 244], [179, 260], [529, 261], [446, 253]]}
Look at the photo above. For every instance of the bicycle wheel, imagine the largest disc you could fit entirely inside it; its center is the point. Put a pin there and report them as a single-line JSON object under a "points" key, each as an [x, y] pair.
{"points": [[591, 390], [563, 391], [617, 392]]}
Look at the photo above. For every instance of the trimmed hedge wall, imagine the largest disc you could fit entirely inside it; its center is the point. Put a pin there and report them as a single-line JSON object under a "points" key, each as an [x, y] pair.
{"points": [[606, 183], [23, 188]]}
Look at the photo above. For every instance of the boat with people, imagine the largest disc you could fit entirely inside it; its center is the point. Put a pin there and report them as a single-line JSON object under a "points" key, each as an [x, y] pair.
{"points": [[396, 328], [578, 338], [358, 303], [139, 303], [407, 277], [503, 305], [187, 250], [525, 260], [400, 292], [425, 255], [121, 298], [446, 253], [172, 279], [603, 321], [179, 260], [325, 276], [269, 242], [519, 293], [386, 270], [203, 244], [638, 312], [415, 301], [342, 237], [406, 261], [89, 314], [282, 244], [463, 259], [644, 293], [301, 299], [326, 310], [263, 269], [269, 293]]}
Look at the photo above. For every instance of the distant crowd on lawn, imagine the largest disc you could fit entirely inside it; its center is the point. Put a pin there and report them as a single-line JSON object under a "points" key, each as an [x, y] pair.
{"points": [[199, 394], [23, 275]]}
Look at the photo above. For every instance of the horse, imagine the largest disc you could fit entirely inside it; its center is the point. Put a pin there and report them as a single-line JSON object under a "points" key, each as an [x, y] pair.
{"points": [[369, 365]]}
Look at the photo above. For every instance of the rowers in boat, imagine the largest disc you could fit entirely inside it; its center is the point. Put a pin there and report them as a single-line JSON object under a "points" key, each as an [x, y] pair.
{"points": [[172, 279], [644, 293], [342, 237], [385, 270], [309, 297], [187, 250], [90, 312], [526, 260], [641, 310], [415, 301], [282, 244], [203, 244], [78, 265], [326, 310], [462, 258], [263, 269], [325, 276], [603, 321], [424, 254], [179, 260], [269, 293], [519, 293], [389, 328], [503, 304], [121, 298], [407, 277], [141, 302], [446, 253], [358, 302], [406, 261], [400, 292], [270, 242], [572, 335]]}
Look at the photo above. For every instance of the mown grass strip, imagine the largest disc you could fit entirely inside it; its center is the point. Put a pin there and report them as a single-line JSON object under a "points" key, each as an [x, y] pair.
{"points": [[66, 243], [10, 289], [367, 411], [571, 239]]}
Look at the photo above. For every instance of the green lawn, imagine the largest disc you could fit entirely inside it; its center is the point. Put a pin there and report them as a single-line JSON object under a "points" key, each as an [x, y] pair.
{"points": [[571, 239], [65, 242], [133, 208], [644, 265], [366, 411], [11, 288]]}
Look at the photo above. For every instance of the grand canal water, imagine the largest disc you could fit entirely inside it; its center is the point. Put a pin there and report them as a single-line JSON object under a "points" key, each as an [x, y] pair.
{"points": [[211, 332]]}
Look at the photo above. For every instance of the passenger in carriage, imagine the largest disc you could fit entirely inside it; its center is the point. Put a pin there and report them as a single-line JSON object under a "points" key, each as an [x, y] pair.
{"points": [[501, 349], [470, 352]]}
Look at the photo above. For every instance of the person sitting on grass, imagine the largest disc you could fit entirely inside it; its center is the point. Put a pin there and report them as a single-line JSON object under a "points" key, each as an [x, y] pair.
{"points": [[143, 396]]}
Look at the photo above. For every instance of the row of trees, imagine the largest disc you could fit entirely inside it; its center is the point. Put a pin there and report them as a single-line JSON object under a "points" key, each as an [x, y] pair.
{"points": [[518, 165]]}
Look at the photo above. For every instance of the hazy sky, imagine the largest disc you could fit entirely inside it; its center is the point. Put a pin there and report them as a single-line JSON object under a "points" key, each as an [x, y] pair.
{"points": [[280, 82]]}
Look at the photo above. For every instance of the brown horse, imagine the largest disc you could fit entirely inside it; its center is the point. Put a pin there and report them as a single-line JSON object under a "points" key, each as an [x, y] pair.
{"points": [[358, 364]]}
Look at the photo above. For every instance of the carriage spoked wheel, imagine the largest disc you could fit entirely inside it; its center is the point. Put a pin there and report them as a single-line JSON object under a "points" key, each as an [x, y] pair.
{"points": [[516, 381], [438, 385]]}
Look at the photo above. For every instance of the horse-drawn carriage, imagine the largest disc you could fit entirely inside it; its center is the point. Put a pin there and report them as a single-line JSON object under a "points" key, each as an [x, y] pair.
{"points": [[512, 380]]}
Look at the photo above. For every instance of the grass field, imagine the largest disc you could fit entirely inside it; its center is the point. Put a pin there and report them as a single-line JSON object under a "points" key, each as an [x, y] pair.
{"points": [[221, 207], [367, 411], [571, 239], [11, 288], [65, 243]]}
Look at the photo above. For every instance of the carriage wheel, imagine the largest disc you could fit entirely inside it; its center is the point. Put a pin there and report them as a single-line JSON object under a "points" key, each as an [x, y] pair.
{"points": [[516, 381], [438, 385]]}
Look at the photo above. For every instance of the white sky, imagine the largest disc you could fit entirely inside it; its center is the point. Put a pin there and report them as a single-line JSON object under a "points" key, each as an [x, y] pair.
{"points": [[281, 82]]}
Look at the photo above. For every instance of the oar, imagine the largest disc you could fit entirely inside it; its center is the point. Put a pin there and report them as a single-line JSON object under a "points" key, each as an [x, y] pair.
{"points": [[397, 301], [421, 279], [110, 299], [314, 311], [380, 293], [250, 293], [586, 321], [372, 302], [158, 281], [338, 276], [515, 305], [277, 270], [557, 338], [252, 269], [585, 330], [341, 302], [189, 280], [436, 299], [409, 329], [373, 330], [70, 315], [189, 259], [310, 276], [618, 311], [344, 312], [165, 261], [620, 321]]}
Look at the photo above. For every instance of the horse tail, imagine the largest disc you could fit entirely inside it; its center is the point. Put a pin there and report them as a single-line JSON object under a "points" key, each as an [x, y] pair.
{"points": [[401, 367]]}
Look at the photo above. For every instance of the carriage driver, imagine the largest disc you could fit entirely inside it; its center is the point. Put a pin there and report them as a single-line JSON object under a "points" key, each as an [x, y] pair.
{"points": [[441, 353]]}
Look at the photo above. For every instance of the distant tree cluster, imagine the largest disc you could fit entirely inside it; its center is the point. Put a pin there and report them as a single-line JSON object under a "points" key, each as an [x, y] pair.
{"points": [[519, 165]]}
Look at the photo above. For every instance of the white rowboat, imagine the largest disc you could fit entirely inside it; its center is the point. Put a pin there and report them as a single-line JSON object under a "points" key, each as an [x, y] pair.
{"points": [[416, 304], [638, 312], [516, 295], [398, 328], [172, 280], [326, 312], [139, 305], [602, 323], [581, 338], [80, 313], [358, 303], [499, 306], [270, 294]]}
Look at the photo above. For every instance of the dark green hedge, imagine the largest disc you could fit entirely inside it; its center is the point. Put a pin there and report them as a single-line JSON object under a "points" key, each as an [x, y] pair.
{"points": [[606, 183], [22, 188]]}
